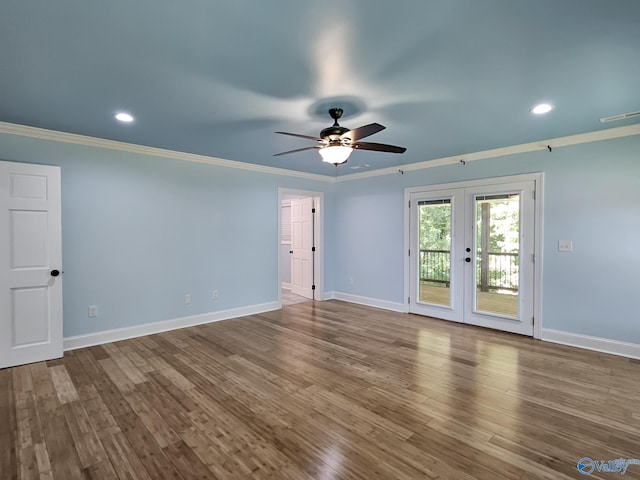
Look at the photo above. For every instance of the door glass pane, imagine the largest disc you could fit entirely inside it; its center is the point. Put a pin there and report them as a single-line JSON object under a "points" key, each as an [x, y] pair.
{"points": [[434, 237], [498, 248]]}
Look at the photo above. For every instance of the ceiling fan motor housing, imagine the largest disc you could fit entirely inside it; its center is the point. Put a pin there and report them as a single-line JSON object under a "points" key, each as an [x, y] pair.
{"points": [[333, 133], [334, 130]]}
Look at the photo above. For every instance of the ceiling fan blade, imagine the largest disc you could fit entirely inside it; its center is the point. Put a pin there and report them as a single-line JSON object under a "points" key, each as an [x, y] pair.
{"points": [[297, 150], [379, 147], [308, 137], [364, 131]]}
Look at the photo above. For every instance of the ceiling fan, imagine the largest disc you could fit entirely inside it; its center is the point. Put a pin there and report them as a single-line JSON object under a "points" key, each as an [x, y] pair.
{"points": [[336, 143]]}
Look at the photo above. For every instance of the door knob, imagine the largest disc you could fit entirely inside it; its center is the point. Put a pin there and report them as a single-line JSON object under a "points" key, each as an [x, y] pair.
{"points": [[468, 259], [468, 249], [55, 273], [290, 251]]}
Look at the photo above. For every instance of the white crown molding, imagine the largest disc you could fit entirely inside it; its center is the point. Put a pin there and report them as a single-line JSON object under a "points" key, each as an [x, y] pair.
{"points": [[72, 138], [598, 344], [115, 335], [75, 139], [599, 135]]}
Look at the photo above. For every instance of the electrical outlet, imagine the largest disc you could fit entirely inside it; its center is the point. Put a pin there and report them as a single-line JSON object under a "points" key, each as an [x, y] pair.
{"points": [[187, 299], [93, 311], [215, 294]]}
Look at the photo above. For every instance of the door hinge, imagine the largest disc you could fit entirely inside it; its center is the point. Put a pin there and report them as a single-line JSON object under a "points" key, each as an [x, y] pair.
{"points": [[533, 257], [409, 253], [408, 299], [313, 287], [534, 194], [409, 203], [533, 321], [313, 249], [313, 210]]}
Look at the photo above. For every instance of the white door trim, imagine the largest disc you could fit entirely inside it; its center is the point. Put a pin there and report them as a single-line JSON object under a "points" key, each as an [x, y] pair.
{"points": [[318, 237], [538, 178]]}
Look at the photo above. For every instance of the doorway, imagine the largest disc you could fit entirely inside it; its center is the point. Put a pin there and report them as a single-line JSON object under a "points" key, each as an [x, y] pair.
{"points": [[471, 252], [299, 253]]}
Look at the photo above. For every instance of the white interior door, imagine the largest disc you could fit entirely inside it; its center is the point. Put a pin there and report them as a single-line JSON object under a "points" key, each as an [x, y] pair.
{"points": [[30, 264], [472, 255], [301, 247]]}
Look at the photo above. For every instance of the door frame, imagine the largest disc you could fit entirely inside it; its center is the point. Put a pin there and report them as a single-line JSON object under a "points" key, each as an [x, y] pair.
{"points": [[538, 179], [318, 227]]}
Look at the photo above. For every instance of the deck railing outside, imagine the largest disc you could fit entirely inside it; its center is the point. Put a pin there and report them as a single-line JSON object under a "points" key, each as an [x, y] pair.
{"points": [[499, 271]]}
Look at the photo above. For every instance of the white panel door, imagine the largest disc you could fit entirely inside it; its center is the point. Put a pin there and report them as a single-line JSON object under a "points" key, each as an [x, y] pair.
{"points": [[301, 245], [30, 264]]}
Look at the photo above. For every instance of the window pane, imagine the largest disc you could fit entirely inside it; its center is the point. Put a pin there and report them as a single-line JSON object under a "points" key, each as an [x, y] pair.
{"points": [[435, 252], [497, 260]]}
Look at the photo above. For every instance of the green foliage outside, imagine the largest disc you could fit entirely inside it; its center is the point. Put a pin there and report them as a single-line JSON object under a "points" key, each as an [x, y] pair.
{"points": [[504, 226]]}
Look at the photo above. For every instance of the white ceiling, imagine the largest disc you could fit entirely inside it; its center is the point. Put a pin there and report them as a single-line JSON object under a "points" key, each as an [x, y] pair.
{"points": [[446, 77]]}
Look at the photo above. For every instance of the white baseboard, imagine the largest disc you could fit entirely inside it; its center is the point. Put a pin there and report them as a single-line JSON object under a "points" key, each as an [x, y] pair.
{"points": [[286, 285], [370, 302], [107, 336], [605, 345]]}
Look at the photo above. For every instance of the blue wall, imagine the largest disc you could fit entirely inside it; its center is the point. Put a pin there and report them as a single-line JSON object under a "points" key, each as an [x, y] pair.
{"points": [[592, 196], [140, 232]]}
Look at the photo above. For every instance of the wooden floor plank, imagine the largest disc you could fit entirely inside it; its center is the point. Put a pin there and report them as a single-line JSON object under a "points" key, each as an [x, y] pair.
{"points": [[320, 390], [65, 389], [8, 441], [85, 439]]}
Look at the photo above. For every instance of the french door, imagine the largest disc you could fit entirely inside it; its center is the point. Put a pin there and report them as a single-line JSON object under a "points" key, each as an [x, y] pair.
{"points": [[472, 254]]}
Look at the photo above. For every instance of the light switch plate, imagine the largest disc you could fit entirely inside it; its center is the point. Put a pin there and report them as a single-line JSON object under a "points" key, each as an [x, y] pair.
{"points": [[565, 245]]}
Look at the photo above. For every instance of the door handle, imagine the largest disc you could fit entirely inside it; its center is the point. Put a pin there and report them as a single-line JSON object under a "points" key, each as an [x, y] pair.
{"points": [[468, 259], [55, 273]]}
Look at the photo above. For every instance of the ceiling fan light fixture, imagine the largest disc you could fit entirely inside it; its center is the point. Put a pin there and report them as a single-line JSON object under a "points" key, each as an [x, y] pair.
{"points": [[336, 154]]}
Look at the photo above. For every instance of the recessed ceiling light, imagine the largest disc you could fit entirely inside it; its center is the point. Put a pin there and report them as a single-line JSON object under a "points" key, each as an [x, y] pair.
{"points": [[123, 117], [542, 108]]}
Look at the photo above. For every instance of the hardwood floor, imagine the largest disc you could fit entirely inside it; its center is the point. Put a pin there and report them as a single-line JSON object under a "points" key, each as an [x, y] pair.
{"points": [[320, 390]]}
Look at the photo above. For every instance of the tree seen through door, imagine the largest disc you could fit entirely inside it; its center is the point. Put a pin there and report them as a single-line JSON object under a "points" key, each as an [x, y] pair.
{"points": [[497, 226]]}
